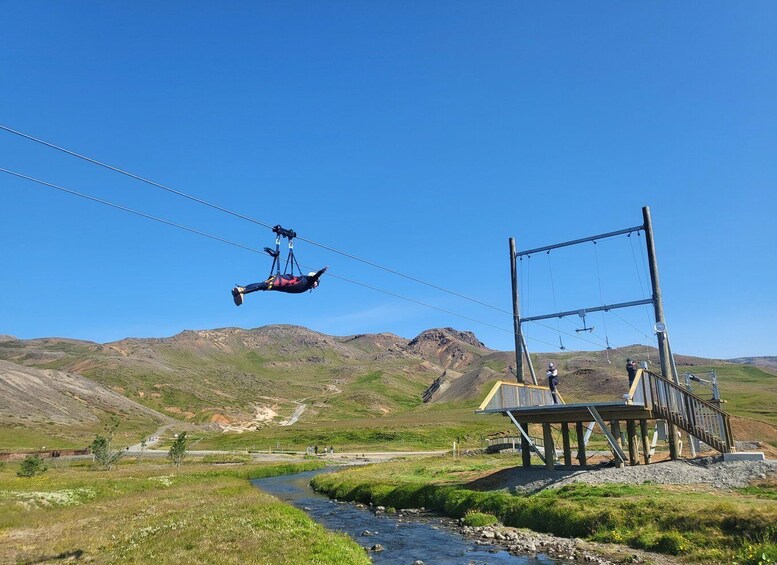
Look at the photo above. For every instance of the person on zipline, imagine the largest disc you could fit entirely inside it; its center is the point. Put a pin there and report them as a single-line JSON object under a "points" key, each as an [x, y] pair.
{"points": [[552, 374], [290, 283]]}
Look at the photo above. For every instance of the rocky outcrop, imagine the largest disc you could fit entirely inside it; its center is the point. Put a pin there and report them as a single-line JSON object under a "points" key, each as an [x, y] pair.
{"points": [[440, 385], [448, 348]]}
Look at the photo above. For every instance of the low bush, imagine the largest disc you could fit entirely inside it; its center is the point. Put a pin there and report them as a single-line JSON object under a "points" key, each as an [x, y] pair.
{"points": [[31, 466], [476, 519]]}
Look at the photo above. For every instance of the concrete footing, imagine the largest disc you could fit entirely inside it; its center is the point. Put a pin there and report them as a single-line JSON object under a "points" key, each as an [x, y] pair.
{"points": [[744, 456]]}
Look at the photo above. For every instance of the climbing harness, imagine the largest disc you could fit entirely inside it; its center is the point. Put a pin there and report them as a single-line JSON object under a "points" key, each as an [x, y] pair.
{"points": [[291, 260]]}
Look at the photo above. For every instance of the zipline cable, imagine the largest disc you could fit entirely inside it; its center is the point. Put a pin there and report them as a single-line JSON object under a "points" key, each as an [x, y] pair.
{"points": [[125, 209], [242, 216], [245, 247]]}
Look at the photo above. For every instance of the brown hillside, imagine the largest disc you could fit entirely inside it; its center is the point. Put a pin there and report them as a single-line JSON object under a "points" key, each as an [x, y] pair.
{"points": [[34, 396], [448, 348]]}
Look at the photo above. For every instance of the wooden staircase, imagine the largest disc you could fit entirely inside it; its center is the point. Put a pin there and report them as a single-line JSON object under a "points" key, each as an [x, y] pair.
{"points": [[671, 402]]}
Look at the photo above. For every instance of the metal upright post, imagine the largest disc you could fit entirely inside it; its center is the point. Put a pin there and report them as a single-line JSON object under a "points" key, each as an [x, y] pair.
{"points": [[516, 315]]}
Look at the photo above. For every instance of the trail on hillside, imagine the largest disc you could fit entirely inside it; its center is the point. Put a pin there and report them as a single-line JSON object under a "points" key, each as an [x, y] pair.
{"points": [[298, 411], [152, 439]]}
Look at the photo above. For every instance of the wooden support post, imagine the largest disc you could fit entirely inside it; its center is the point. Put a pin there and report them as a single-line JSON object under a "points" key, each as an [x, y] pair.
{"points": [[643, 430], [567, 448], [615, 429], [525, 448], [671, 436], [516, 316], [580, 444], [550, 450], [631, 432]]}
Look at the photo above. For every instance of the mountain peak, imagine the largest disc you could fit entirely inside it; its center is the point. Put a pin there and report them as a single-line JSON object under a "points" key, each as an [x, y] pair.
{"points": [[447, 347]]}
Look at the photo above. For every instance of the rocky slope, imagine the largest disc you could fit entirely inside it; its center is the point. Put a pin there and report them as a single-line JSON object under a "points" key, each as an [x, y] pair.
{"points": [[35, 398]]}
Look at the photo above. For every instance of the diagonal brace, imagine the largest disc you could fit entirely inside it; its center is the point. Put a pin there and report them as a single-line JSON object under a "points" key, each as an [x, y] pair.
{"points": [[526, 436], [616, 449]]}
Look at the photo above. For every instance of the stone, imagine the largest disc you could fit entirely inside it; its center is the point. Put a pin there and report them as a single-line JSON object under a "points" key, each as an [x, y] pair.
{"points": [[377, 548]]}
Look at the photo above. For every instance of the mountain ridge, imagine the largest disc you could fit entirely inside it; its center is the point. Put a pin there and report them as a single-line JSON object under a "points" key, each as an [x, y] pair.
{"points": [[247, 379]]}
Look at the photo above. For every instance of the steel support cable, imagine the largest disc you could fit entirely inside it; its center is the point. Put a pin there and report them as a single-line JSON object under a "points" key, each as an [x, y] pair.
{"points": [[241, 216], [635, 328], [537, 322], [639, 273], [555, 306], [601, 297], [241, 246]]}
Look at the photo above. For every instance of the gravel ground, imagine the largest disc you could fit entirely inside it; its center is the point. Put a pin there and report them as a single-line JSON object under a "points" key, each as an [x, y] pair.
{"points": [[712, 471]]}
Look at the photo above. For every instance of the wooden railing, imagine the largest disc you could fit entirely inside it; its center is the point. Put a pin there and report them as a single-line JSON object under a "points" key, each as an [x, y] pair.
{"points": [[677, 404], [513, 442], [517, 395]]}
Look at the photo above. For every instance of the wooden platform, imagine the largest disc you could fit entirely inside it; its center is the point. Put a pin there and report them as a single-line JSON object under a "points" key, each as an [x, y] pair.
{"points": [[572, 413], [650, 397]]}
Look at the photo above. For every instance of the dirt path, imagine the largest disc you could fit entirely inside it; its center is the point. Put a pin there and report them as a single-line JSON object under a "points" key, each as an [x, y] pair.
{"points": [[152, 439], [298, 411]]}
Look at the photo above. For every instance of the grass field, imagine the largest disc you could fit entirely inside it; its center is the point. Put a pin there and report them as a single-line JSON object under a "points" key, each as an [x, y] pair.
{"points": [[431, 427], [701, 524], [748, 391], [142, 513]]}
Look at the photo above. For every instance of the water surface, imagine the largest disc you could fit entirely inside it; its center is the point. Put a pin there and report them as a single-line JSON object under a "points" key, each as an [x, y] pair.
{"points": [[405, 540]]}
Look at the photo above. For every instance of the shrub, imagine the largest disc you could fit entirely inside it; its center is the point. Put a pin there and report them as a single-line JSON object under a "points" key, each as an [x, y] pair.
{"points": [[31, 466], [103, 455], [670, 542], [178, 450], [475, 519], [757, 554]]}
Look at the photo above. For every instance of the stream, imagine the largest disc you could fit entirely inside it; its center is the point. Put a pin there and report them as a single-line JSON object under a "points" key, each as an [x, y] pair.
{"points": [[431, 539]]}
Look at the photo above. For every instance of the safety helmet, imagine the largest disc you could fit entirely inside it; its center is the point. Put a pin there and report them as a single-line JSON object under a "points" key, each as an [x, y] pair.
{"points": [[311, 274], [550, 365]]}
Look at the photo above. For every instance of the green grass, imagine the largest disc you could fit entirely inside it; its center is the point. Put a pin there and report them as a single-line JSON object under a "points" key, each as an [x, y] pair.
{"points": [[749, 392], [426, 429], [705, 525], [149, 513]]}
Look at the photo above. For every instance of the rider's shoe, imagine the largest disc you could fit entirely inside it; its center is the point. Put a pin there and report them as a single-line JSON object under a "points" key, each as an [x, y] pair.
{"points": [[237, 295]]}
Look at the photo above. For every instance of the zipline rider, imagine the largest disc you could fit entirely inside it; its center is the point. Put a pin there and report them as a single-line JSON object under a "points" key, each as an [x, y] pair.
{"points": [[282, 282]]}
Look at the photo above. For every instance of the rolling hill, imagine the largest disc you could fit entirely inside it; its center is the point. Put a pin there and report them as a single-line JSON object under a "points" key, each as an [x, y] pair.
{"points": [[273, 381]]}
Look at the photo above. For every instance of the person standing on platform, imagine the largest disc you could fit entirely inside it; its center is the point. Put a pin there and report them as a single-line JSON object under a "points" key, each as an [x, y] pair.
{"points": [[552, 374], [631, 369]]}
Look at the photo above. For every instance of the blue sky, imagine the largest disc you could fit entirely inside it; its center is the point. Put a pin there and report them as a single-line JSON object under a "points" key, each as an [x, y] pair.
{"points": [[420, 136]]}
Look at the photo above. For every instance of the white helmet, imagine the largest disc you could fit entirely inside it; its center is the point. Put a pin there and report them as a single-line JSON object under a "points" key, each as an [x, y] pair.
{"points": [[311, 274], [550, 365]]}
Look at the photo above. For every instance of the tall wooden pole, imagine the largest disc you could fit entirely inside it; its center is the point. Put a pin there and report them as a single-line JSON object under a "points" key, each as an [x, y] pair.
{"points": [[658, 304], [658, 307], [516, 315]]}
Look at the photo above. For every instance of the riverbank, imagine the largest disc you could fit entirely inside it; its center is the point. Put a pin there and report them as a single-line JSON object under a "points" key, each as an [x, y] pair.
{"points": [[151, 512], [703, 521]]}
